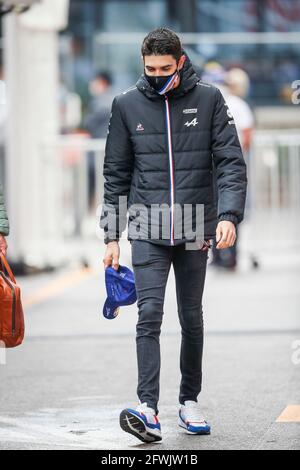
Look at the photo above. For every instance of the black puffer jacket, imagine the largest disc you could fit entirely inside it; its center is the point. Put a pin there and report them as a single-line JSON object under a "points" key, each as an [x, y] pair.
{"points": [[161, 150]]}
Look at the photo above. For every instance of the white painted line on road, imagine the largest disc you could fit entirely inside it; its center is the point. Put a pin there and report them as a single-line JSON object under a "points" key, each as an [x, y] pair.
{"points": [[291, 414]]}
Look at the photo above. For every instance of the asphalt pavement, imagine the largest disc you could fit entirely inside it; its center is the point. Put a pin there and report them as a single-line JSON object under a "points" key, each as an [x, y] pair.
{"points": [[66, 385]]}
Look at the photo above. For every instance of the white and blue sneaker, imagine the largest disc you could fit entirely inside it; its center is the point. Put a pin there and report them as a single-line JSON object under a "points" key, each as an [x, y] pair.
{"points": [[141, 422], [191, 420]]}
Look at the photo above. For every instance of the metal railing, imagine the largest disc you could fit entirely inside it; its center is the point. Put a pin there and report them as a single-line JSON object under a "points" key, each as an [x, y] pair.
{"points": [[273, 172], [79, 182]]}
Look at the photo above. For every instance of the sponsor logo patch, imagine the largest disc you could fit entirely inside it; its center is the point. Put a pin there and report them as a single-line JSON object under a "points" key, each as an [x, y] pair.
{"points": [[190, 111]]}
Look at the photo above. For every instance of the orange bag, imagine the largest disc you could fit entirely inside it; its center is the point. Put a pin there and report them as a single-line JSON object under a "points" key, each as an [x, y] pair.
{"points": [[11, 312]]}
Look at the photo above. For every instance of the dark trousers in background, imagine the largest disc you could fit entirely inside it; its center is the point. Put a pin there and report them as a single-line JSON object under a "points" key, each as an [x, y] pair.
{"points": [[151, 265], [226, 258]]}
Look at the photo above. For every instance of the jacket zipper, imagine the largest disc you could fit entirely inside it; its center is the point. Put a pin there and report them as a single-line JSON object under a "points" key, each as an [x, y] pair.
{"points": [[171, 164], [14, 303]]}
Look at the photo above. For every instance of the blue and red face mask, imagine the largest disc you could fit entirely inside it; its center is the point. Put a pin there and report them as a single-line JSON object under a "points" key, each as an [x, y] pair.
{"points": [[163, 83]]}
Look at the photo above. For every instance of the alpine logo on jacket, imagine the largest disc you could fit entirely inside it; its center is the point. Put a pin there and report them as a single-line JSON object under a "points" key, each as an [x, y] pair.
{"points": [[194, 123]]}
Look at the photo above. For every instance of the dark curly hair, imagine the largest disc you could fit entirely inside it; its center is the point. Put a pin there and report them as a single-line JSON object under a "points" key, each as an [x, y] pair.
{"points": [[162, 41]]}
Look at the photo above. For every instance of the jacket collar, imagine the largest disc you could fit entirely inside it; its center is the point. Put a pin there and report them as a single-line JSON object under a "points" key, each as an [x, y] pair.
{"points": [[187, 82]]}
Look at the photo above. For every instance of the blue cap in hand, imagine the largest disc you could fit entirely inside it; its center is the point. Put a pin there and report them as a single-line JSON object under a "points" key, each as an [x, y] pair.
{"points": [[120, 288]]}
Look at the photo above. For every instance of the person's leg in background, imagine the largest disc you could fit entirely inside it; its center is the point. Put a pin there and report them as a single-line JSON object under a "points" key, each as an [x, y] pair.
{"points": [[226, 258], [91, 168], [190, 271], [151, 264]]}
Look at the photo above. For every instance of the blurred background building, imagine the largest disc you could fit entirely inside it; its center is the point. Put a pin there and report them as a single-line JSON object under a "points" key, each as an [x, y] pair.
{"points": [[260, 36], [62, 63]]}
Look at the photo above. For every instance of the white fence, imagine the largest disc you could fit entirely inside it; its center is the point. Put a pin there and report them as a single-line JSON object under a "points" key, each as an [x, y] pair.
{"points": [[273, 191], [275, 170], [79, 182]]}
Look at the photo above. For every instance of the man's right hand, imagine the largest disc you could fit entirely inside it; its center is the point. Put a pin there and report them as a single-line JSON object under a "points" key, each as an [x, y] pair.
{"points": [[112, 255]]}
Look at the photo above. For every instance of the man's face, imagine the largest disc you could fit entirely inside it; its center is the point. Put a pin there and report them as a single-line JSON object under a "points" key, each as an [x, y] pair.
{"points": [[162, 65]]}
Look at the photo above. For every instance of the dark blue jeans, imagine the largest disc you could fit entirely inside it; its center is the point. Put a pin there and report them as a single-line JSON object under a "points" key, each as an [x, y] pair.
{"points": [[151, 265]]}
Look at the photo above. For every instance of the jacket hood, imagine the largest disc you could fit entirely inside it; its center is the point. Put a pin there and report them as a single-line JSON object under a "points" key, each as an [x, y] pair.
{"points": [[188, 80]]}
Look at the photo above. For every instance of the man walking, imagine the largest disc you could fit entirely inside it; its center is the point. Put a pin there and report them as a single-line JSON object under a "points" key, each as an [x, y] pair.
{"points": [[164, 136]]}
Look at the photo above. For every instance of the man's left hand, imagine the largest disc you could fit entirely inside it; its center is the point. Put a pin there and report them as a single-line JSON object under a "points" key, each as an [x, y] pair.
{"points": [[225, 234]]}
